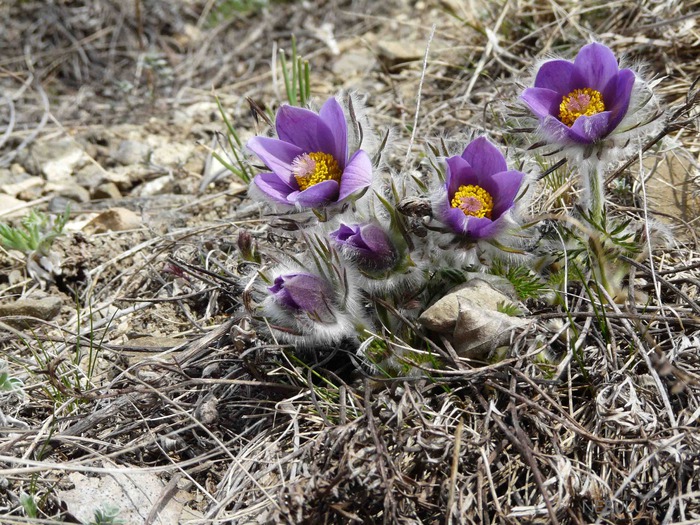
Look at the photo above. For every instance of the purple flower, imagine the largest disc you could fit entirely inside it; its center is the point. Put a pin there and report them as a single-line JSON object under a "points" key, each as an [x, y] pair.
{"points": [[368, 245], [480, 191], [583, 101], [309, 160], [304, 292]]}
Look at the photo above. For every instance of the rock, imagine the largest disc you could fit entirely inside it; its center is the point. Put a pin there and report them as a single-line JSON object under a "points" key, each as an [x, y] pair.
{"points": [[151, 342], [131, 152], [106, 190], [159, 186], [90, 175], [125, 177], [172, 155], [8, 202], [69, 190], [57, 160], [397, 54], [352, 64], [59, 204], [468, 317], [114, 219], [131, 492], [673, 189], [46, 309], [24, 184]]}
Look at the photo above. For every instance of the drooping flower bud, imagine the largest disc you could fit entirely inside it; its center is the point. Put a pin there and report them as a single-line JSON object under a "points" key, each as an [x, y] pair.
{"points": [[368, 245], [307, 293]]}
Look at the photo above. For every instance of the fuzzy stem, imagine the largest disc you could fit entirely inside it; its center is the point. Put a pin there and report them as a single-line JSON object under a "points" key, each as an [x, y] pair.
{"points": [[596, 194]]}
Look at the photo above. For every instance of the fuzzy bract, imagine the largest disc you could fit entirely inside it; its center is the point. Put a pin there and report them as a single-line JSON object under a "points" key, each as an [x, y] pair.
{"points": [[480, 191], [368, 245], [309, 162], [582, 101]]}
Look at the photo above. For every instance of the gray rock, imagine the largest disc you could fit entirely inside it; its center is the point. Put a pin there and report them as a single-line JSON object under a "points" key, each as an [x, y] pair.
{"points": [[469, 319], [172, 155], [56, 160], [151, 342], [395, 53], [46, 309], [69, 190], [106, 190], [354, 63], [59, 204], [21, 185], [159, 186], [8, 202], [131, 152], [114, 219]]}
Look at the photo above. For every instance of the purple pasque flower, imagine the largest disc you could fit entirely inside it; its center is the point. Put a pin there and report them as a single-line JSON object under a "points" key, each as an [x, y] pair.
{"points": [[581, 101], [309, 160], [304, 292], [480, 191], [368, 245]]}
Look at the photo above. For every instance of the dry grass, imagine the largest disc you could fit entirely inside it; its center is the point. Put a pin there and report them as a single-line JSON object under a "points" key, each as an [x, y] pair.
{"points": [[259, 433]]}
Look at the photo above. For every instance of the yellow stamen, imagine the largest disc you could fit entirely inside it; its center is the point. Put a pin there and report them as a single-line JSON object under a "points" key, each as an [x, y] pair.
{"points": [[315, 167], [579, 102], [474, 201]]}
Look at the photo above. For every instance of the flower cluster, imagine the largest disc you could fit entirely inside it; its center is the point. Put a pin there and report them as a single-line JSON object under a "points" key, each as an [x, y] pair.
{"points": [[379, 248]]}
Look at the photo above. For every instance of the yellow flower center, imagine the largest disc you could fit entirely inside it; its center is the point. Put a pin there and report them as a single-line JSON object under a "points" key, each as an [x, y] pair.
{"points": [[474, 201], [311, 168], [579, 102]]}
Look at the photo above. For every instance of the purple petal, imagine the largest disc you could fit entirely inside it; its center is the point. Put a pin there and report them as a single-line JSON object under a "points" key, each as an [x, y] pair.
{"points": [[594, 67], [503, 188], [454, 218], [377, 242], [617, 97], [459, 173], [332, 114], [589, 129], [317, 195], [303, 291], [305, 129], [483, 228], [344, 232], [484, 157], [357, 174], [555, 130], [542, 101], [276, 154], [555, 75], [273, 187]]}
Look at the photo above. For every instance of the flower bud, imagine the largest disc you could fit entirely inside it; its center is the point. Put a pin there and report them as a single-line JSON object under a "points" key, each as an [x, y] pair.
{"points": [[304, 292], [246, 247], [368, 245]]}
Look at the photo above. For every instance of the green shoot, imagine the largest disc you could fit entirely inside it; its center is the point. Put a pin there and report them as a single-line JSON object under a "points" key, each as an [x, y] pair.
{"points": [[297, 81], [238, 166], [527, 285], [29, 505], [107, 515], [9, 384], [36, 232]]}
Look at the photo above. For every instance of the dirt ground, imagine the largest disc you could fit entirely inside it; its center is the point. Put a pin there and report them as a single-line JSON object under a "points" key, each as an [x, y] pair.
{"points": [[145, 385]]}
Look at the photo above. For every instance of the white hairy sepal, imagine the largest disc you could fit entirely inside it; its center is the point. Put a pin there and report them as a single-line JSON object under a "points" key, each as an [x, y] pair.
{"points": [[301, 329], [305, 329]]}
